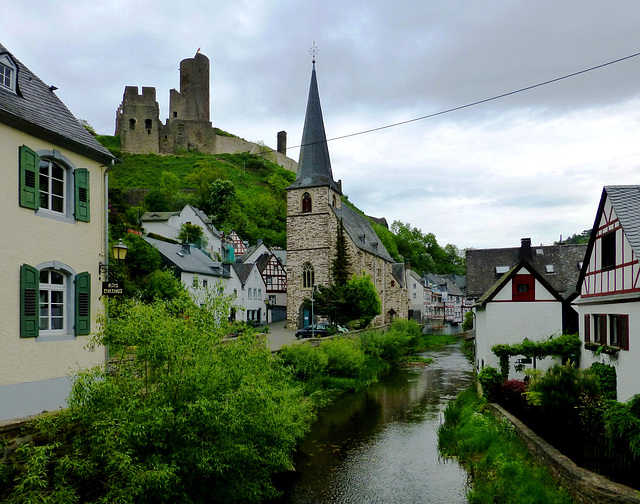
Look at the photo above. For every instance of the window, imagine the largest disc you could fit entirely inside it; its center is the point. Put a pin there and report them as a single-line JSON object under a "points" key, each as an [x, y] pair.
{"points": [[619, 331], [8, 73], [54, 301], [306, 202], [50, 185], [550, 269], [414, 295], [501, 270], [600, 329], [272, 300], [148, 125], [308, 279], [249, 293], [608, 251], [260, 294], [523, 288], [205, 284], [269, 281], [53, 290], [132, 124]]}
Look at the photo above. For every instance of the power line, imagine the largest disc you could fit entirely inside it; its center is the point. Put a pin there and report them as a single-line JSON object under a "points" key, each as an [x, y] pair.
{"points": [[479, 102]]}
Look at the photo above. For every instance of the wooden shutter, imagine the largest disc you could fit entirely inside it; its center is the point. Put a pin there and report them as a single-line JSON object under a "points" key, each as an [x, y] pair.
{"points": [[587, 328], [29, 178], [81, 179], [29, 301], [83, 303], [624, 332]]}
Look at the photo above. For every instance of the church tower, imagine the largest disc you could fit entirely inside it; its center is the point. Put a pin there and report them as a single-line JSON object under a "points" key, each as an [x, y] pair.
{"points": [[311, 222]]}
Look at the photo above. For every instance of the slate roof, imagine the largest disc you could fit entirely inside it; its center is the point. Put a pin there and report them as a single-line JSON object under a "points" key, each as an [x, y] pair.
{"points": [[625, 201], [36, 110], [190, 260], [498, 286], [157, 216], [361, 232], [446, 283], [243, 270], [482, 263], [314, 165]]}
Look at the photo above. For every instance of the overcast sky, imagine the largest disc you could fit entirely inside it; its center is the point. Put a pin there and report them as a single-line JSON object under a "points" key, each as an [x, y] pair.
{"points": [[532, 164]]}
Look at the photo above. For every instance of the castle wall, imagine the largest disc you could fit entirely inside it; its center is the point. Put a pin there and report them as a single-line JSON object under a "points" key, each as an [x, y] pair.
{"points": [[137, 121]]}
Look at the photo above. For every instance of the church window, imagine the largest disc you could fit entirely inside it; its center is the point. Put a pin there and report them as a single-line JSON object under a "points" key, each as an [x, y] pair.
{"points": [[132, 124], [306, 202], [307, 276]]}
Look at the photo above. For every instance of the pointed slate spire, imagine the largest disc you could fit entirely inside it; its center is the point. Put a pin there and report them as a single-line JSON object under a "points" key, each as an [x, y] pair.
{"points": [[314, 165]]}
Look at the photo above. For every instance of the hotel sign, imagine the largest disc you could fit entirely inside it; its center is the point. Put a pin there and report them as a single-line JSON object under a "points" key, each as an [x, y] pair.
{"points": [[112, 288]]}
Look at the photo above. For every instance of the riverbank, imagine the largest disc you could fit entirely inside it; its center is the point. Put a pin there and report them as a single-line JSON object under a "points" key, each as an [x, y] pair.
{"points": [[500, 465]]}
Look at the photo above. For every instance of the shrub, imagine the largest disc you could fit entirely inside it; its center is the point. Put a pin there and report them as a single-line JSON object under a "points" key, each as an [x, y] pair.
{"points": [[345, 357], [490, 380], [607, 379], [306, 361], [562, 389]]}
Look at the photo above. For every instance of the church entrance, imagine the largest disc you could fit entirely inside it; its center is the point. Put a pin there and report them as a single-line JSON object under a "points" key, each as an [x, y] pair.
{"points": [[305, 316]]}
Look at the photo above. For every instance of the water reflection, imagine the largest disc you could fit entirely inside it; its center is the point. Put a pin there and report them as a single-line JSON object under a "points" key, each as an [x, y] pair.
{"points": [[380, 445]]}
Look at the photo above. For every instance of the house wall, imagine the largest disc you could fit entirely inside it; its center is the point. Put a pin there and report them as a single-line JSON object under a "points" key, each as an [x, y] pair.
{"points": [[625, 361], [27, 363]]}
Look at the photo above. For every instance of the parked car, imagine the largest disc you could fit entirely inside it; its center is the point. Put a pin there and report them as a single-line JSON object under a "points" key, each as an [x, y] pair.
{"points": [[318, 330]]}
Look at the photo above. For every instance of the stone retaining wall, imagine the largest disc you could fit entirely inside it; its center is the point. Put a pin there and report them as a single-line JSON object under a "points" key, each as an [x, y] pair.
{"points": [[584, 486]]}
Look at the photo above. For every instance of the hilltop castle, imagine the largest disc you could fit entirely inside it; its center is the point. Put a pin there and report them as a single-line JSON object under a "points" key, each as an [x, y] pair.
{"points": [[188, 126]]}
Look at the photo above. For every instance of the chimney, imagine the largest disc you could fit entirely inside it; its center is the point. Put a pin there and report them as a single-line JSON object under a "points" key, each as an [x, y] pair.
{"points": [[259, 242], [282, 142], [525, 249], [407, 265]]}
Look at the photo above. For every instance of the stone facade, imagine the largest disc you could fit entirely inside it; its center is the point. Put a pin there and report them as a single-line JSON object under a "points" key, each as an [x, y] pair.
{"points": [[188, 127], [311, 239]]}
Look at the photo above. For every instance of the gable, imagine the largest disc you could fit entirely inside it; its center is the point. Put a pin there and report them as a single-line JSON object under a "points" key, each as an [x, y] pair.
{"points": [[611, 265], [522, 283]]}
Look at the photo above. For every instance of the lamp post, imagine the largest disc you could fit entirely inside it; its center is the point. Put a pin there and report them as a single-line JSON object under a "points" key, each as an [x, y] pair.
{"points": [[313, 288], [119, 251]]}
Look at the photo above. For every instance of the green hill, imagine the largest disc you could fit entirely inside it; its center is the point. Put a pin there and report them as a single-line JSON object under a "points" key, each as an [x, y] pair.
{"points": [[245, 193]]}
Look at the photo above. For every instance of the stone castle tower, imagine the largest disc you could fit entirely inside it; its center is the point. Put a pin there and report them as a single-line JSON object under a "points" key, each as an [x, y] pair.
{"points": [[188, 127], [314, 209]]}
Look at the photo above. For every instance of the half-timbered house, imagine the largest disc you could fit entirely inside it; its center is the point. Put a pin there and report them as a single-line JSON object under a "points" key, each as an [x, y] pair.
{"points": [[609, 286]]}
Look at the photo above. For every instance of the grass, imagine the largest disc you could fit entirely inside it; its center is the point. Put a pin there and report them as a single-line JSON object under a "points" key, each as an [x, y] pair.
{"points": [[501, 468]]}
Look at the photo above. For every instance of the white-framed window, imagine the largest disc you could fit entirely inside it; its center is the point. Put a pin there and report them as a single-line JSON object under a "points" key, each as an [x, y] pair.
{"points": [[53, 180], [55, 302], [52, 186], [53, 293], [249, 293], [8, 73]]}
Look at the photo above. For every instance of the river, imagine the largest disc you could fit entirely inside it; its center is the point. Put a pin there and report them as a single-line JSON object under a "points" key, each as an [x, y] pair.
{"points": [[380, 446]]}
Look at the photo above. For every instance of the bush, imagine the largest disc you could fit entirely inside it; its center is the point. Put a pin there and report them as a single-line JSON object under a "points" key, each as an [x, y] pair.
{"points": [[490, 380], [305, 360], [607, 379], [345, 357], [403, 338], [562, 389]]}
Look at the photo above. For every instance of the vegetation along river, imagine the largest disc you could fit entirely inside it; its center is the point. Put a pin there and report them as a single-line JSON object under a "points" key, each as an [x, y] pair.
{"points": [[381, 445]]}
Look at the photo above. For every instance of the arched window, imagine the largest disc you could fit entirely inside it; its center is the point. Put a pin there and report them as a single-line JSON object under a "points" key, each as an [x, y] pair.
{"points": [[334, 201], [307, 276], [132, 124], [53, 294], [306, 202]]}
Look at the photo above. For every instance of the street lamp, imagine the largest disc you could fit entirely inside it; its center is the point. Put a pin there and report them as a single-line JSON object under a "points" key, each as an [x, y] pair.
{"points": [[119, 251]]}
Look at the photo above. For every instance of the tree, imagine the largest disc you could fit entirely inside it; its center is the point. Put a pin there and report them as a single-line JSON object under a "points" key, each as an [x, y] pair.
{"points": [[362, 297], [221, 197], [192, 233], [341, 262], [177, 417]]}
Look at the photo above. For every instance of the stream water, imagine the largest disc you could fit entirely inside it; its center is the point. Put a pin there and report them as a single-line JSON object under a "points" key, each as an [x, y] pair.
{"points": [[380, 446]]}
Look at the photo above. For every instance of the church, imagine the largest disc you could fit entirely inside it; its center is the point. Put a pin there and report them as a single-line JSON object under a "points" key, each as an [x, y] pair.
{"points": [[314, 210]]}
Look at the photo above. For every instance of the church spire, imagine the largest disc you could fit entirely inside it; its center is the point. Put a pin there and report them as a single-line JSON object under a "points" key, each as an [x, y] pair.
{"points": [[314, 165]]}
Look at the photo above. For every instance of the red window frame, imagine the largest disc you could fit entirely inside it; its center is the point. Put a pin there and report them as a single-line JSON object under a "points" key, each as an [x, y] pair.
{"points": [[523, 288]]}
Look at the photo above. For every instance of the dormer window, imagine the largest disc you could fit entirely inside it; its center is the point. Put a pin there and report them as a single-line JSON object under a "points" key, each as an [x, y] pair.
{"points": [[8, 73]]}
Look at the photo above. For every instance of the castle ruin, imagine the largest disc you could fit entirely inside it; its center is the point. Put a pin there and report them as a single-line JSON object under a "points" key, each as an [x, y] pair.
{"points": [[188, 127]]}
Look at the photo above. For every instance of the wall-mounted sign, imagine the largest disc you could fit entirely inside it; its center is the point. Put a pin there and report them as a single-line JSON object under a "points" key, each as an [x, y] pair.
{"points": [[112, 288]]}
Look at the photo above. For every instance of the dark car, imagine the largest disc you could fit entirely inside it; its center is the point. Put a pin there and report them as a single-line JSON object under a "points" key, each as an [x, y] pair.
{"points": [[318, 330]]}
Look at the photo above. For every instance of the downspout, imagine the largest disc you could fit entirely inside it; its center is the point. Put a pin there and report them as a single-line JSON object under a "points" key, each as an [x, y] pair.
{"points": [[106, 240]]}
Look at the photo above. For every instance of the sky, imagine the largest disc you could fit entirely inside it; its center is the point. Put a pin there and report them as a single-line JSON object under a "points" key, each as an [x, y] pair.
{"points": [[531, 164]]}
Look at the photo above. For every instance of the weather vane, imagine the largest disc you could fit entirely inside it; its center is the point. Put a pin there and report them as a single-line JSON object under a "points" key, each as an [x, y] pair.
{"points": [[313, 51]]}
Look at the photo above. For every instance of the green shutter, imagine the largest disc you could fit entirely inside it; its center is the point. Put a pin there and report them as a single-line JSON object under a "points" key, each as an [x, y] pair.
{"points": [[83, 303], [81, 176], [29, 301], [29, 178]]}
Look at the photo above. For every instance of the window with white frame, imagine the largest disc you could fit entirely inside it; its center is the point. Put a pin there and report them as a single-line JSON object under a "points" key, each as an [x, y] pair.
{"points": [[53, 291], [260, 294], [53, 179], [8, 73], [249, 293], [54, 301]]}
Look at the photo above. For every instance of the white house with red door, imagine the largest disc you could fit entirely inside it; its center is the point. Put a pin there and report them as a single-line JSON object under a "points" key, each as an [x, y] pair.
{"points": [[609, 286], [521, 304]]}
